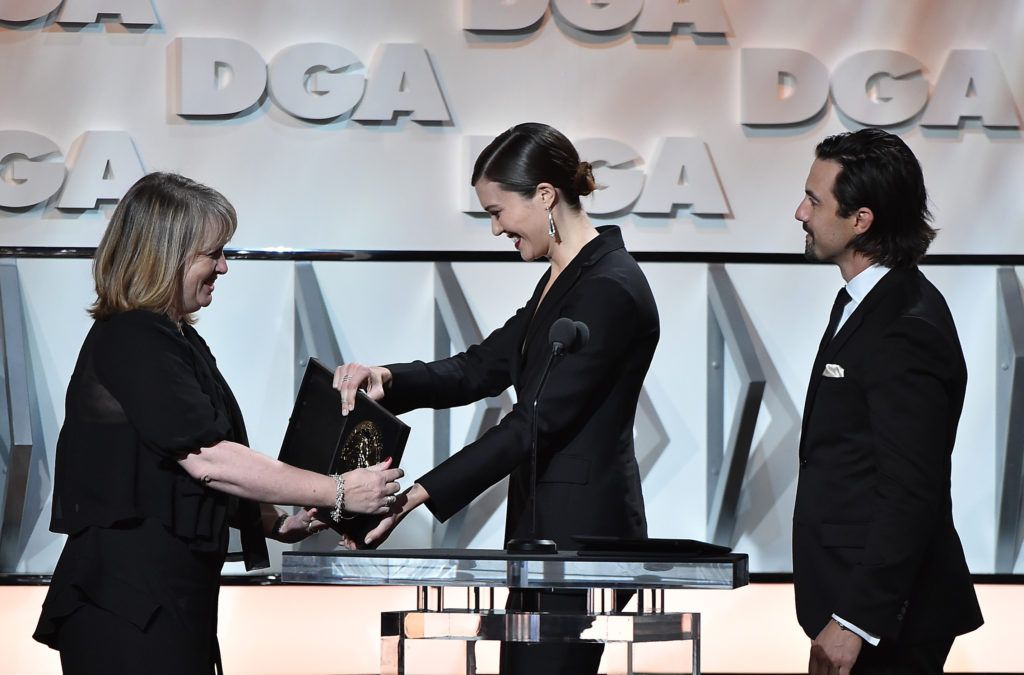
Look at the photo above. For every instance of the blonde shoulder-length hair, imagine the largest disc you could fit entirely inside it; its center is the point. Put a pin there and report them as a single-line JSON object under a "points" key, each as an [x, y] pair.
{"points": [[157, 229]]}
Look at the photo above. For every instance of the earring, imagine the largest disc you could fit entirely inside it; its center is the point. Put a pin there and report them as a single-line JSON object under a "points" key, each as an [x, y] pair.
{"points": [[552, 232]]}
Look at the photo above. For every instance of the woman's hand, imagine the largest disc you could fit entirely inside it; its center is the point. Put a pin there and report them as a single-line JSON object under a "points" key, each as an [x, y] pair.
{"points": [[352, 377], [406, 502], [372, 490], [297, 527]]}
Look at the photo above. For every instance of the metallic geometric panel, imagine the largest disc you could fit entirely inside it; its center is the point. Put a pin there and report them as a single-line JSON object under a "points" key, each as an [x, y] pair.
{"points": [[455, 330], [650, 436], [314, 334], [727, 463], [1009, 420], [20, 427]]}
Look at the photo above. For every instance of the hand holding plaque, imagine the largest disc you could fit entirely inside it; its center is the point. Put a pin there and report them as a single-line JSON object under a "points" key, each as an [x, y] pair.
{"points": [[350, 378], [319, 438]]}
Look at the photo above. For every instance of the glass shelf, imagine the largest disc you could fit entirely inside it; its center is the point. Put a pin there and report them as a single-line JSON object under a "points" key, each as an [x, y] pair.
{"points": [[487, 568]]}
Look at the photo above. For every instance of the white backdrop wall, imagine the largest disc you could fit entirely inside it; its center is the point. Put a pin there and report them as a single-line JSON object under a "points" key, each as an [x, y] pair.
{"points": [[402, 184], [346, 184]]}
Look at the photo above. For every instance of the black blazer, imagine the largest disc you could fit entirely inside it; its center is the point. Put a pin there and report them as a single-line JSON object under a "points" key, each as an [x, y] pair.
{"points": [[873, 536], [588, 479]]}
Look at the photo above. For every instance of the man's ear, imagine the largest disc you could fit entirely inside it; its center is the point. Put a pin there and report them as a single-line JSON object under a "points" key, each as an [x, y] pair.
{"points": [[863, 219]]}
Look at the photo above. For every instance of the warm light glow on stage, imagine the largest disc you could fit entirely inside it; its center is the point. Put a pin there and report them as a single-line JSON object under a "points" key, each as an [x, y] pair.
{"points": [[264, 629]]}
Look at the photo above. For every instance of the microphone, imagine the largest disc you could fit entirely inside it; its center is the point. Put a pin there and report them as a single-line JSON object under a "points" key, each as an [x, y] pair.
{"points": [[566, 337]]}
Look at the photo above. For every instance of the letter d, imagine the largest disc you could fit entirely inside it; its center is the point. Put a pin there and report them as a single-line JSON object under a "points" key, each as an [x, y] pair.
{"points": [[763, 100], [200, 63], [486, 15]]}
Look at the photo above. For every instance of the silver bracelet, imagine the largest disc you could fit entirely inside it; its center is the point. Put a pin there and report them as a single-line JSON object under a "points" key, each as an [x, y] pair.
{"points": [[339, 498]]}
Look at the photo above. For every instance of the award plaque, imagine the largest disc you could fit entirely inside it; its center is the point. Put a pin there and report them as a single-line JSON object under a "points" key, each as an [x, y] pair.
{"points": [[320, 439]]}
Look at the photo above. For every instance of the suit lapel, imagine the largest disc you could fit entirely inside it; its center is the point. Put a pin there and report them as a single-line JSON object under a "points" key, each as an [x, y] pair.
{"points": [[882, 290], [830, 348], [526, 328], [543, 315]]}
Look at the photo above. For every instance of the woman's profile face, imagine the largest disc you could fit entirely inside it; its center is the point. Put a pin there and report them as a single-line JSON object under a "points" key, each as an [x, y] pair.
{"points": [[200, 275], [524, 220]]}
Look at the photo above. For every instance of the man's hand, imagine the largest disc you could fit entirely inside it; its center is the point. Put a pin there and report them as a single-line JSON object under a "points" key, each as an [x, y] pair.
{"points": [[834, 651]]}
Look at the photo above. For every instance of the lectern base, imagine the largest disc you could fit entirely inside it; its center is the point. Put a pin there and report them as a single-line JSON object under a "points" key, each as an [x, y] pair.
{"points": [[473, 625], [531, 546]]}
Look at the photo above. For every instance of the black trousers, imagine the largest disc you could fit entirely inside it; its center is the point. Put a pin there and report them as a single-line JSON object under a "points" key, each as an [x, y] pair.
{"points": [[522, 658], [94, 641], [922, 658]]}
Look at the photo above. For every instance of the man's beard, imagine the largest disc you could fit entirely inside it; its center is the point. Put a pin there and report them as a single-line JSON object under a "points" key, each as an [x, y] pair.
{"points": [[809, 253]]}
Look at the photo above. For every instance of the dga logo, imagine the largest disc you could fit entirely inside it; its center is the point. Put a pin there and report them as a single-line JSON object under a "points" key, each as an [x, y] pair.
{"points": [[315, 81], [875, 88], [102, 165], [137, 13], [654, 17]]}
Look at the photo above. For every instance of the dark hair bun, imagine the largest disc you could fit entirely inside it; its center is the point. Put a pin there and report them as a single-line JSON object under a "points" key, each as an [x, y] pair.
{"points": [[531, 153], [583, 181]]}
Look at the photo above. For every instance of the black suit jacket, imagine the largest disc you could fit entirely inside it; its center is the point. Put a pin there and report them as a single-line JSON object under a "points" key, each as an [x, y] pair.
{"points": [[588, 479], [873, 536]]}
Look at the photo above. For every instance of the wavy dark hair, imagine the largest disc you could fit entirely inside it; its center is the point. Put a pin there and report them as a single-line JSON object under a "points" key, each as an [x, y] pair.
{"points": [[529, 154], [880, 172]]}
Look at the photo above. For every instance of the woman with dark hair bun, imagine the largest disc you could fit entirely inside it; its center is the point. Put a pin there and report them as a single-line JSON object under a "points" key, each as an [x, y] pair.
{"points": [[530, 180]]}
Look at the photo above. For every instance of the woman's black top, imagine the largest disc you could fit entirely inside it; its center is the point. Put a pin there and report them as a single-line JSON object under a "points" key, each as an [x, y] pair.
{"points": [[588, 481], [142, 532]]}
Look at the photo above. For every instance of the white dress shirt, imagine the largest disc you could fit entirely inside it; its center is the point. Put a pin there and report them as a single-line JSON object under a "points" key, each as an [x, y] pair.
{"points": [[858, 288]]}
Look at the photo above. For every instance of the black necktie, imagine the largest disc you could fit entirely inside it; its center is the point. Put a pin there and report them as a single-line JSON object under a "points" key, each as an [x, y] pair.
{"points": [[842, 298]]}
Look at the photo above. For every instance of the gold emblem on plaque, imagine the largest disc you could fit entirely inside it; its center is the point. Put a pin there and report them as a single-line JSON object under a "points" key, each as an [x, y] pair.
{"points": [[363, 447]]}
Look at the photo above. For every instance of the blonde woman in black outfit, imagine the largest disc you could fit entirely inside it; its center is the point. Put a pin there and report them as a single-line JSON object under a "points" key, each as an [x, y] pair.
{"points": [[530, 179], [152, 465]]}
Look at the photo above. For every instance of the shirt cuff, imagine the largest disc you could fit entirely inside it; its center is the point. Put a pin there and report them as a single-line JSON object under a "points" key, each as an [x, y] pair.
{"points": [[872, 640]]}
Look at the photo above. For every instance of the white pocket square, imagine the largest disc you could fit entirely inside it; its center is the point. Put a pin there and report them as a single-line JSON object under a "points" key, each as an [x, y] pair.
{"points": [[833, 370]]}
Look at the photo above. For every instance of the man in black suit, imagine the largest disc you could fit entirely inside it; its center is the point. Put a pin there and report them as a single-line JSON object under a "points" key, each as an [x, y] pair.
{"points": [[876, 558]]}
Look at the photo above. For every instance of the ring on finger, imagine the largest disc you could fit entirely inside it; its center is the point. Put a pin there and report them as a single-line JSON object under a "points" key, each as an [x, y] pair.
{"points": [[390, 500]]}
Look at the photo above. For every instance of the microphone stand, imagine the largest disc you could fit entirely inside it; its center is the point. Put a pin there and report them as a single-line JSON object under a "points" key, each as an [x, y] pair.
{"points": [[533, 544]]}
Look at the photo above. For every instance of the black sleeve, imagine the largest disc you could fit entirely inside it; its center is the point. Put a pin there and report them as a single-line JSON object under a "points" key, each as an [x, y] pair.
{"points": [[150, 369], [481, 371], [608, 308]]}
